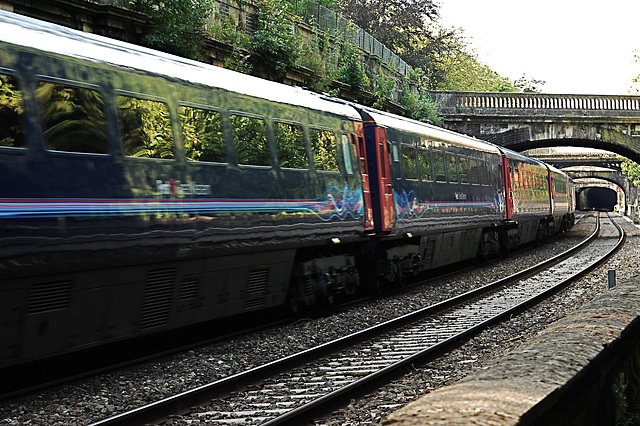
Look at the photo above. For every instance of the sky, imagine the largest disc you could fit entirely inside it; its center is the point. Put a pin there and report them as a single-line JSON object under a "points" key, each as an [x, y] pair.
{"points": [[575, 46]]}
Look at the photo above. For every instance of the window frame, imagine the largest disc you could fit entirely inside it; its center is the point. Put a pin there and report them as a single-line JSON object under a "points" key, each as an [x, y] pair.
{"points": [[23, 117], [144, 97], [403, 147], [209, 108], [314, 127], [268, 142], [43, 78], [305, 141]]}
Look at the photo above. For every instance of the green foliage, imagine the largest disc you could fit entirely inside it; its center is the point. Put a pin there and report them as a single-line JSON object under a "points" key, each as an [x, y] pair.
{"points": [[202, 135], [73, 119], [459, 69], [318, 56], [325, 151], [228, 30], [250, 140], [291, 147], [383, 89], [416, 102], [631, 169], [351, 69], [273, 43], [635, 81], [145, 128], [175, 26], [625, 398], [527, 85]]}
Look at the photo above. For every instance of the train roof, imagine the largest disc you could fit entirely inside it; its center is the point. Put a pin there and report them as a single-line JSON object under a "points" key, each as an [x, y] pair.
{"points": [[514, 155], [51, 38], [406, 124]]}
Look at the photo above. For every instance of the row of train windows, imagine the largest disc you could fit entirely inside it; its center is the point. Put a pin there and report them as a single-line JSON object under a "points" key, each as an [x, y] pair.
{"points": [[74, 121], [529, 177], [429, 164]]}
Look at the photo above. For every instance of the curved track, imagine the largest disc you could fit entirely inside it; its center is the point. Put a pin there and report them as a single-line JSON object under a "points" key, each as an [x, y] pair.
{"points": [[302, 386]]}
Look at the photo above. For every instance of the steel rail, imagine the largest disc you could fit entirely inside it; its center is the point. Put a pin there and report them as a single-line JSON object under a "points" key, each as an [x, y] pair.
{"points": [[183, 402], [336, 399]]}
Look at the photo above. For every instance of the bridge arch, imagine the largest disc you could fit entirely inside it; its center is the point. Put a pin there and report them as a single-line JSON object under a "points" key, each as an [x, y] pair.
{"points": [[621, 183], [522, 121]]}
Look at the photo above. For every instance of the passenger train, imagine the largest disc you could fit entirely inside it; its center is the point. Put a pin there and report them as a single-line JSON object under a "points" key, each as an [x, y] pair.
{"points": [[143, 192]]}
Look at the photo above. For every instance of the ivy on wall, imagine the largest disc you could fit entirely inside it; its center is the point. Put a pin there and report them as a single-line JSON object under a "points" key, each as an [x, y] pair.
{"points": [[178, 27]]}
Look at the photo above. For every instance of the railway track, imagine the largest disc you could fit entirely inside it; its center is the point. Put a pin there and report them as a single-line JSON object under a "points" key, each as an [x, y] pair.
{"points": [[298, 388], [38, 376]]}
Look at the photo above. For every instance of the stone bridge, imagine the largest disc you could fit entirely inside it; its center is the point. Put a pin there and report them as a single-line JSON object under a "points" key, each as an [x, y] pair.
{"points": [[561, 161], [616, 177], [522, 121]]}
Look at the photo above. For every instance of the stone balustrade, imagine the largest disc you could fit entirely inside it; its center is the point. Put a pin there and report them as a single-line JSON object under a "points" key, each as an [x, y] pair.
{"points": [[479, 103]]}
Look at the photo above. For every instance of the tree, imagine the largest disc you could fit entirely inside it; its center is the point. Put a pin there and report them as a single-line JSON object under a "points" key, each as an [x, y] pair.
{"points": [[528, 85], [461, 70], [635, 81], [390, 21], [631, 169], [273, 44], [175, 26]]}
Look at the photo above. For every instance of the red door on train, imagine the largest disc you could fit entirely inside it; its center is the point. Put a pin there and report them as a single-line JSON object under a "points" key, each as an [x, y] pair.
{"points": [[508, 188], [387, 203], [377, 159], [361, 152]]}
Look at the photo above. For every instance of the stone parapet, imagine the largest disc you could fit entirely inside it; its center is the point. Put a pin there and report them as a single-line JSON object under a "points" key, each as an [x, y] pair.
{"points": [[453, 103], [564, 375]]}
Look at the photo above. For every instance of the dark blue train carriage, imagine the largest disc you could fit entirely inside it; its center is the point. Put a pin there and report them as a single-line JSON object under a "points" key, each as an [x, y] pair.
{"points": [[142, 192], [443, 193]]}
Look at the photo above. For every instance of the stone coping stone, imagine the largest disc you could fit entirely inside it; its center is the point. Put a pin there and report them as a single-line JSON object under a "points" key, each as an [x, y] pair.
{"points": [[508, 387]]}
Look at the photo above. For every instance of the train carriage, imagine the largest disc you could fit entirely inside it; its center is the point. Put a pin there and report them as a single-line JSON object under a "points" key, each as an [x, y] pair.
{"points": [[563, 199], [528, 203], [143, 192], [441, 193]]}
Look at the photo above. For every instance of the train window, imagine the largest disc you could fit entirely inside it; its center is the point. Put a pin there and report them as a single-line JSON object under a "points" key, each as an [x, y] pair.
{"points": [[145, 127], [438, 165], [409, 164], [73, 119], [473, 171], [361, 154], [464, 169], [452, 168], [424, 156], [323, 146], [346, 152], [394, 152], [250, 140], [482, 171], [292, 151], [202, 135], [12, 132]]}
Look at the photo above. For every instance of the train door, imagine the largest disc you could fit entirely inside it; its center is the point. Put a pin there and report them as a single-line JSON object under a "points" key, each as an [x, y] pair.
{"points": [[508, 187], [382, 200], [358, 142], [387, 202], [552, 197]]}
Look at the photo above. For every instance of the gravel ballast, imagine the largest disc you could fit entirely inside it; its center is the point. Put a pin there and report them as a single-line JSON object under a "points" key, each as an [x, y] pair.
{"points": [[92, 399]]}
